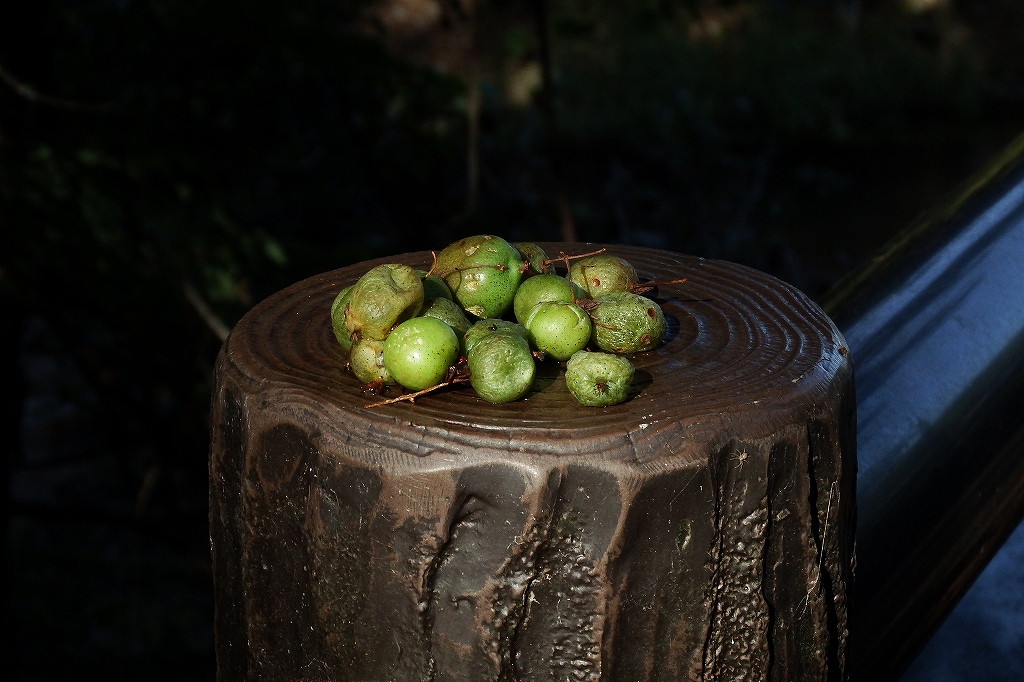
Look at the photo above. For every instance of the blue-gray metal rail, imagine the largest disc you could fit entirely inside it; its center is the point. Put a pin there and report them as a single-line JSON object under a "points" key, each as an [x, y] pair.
{"points": [[935, 325]]}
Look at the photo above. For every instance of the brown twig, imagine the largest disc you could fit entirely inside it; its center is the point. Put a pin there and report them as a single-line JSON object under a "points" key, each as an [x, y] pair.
{"points": [[32, 95], [411, 397], [204, 311], [564, 258]]}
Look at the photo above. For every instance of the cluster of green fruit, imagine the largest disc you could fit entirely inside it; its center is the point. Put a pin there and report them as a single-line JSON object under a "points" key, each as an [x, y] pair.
{"points": [[423, 330]]}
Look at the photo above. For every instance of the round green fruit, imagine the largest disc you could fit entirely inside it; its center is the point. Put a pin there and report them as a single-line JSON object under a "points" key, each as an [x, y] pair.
{"points": [[448, 312], [602, 274], [533, 257], [557, 328], [367, 362], [484, 328], [339, 313], [627, 323], [501, 367], [383, 297], [598, 379], [543, 288], [418, 352], [434, 287], [483, 273]]}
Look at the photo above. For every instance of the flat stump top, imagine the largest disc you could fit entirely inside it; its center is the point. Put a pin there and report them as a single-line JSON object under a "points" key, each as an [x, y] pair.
{"points": [[740, 346]]}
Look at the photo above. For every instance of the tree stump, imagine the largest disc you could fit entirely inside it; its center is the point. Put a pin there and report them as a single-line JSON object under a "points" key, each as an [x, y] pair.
{"points": [[703, 530]]}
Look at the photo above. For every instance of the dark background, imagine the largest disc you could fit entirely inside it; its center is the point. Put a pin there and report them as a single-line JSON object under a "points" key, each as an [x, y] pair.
{"points": [[166, 164]]}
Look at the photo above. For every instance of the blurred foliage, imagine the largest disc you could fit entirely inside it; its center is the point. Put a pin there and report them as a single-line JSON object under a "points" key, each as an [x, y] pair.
{"points": [[166, 164]]}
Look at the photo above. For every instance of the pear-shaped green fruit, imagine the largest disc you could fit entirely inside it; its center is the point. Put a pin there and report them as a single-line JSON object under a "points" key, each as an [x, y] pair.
{"points": [[448, 312], [501, 367], [483, 328], [339, 312], [483, 273], [627, 323], [598, 379], [602, 274], [557, 328], [383, 297], [543, 288], [533, 257], [367, 361], [418, 352]]}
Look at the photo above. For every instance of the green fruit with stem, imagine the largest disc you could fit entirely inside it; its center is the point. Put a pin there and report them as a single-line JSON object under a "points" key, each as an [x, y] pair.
{"points": [[483, 273], [367, 362], [339, 313], [557, 328], [627, 323], [543, 288], [418, 352], [433, 287], [501, 367], [598, 379], [534, 259], [383, 297], [602, 274]]}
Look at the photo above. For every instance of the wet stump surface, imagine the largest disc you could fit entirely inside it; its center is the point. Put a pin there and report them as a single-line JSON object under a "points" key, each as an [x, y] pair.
{"points": [[703, 530]]}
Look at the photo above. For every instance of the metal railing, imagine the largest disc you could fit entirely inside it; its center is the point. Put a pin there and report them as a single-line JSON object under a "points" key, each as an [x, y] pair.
{"points": [[935, 324]]}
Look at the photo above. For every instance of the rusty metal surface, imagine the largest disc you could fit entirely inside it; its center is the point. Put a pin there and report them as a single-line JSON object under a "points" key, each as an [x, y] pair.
{"points": [[936, 328]]}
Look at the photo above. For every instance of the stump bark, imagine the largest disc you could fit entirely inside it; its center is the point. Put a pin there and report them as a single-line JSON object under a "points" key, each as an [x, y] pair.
{"points": [[703, 530]]}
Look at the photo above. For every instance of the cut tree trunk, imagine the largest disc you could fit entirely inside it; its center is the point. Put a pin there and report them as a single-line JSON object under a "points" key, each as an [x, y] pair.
{"points": [[702, 530]]}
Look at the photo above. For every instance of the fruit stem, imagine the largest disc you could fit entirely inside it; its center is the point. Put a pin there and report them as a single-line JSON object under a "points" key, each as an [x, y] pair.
{"points": [[411, 397], [564, 258]]}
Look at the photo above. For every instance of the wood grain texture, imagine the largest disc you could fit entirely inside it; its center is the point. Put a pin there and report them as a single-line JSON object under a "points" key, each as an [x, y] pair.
{"points": [[703, 530]]}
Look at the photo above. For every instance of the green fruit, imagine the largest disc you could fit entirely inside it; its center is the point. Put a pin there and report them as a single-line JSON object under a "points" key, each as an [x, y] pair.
{"points": [[602, 274], [543, 288], [448, 312], [483, 273], [501, 367], [627, 323], [339, 313], [484, 328], [418, 352], [367, 361], [383, 297], [434, 287], [533, 257], [598, 379], [557, 328]]}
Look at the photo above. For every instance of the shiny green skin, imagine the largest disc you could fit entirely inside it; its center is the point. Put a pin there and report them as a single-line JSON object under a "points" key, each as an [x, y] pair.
{"points": [[448, 312], [483, 273], [533, 257], [483, 328], [627, 323], [339, 309], [418, 352], [383, 297], [501, 367], [598, 379], [543, 288], [367, 361], [434, 287], [602, 274], [557, 328]]}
